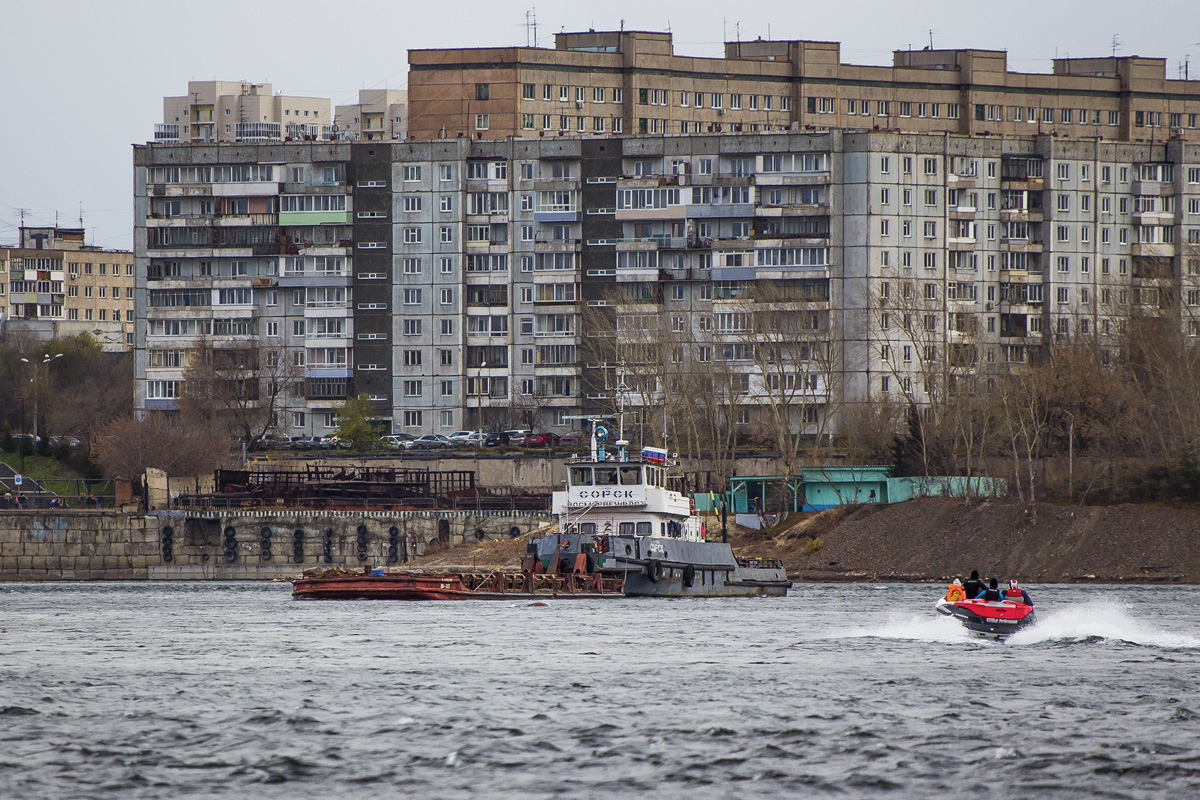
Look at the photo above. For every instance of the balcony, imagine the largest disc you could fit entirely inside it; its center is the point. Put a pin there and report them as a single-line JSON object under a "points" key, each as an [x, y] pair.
{"points": [[237, 220], [166, 132]]}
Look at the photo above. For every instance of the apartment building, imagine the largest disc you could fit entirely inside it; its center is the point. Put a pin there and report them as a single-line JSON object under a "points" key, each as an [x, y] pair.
{"points": [[379, 115], [58, 286], [603, 83], [238, 111], [461, 282]]}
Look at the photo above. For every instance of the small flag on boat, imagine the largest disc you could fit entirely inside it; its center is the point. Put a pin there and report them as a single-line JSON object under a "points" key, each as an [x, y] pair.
{"points": [[655, 455]]}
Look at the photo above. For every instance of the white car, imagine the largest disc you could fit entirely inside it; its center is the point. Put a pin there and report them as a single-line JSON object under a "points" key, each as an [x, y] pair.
{"points": [[473, 439], [459, 437]]}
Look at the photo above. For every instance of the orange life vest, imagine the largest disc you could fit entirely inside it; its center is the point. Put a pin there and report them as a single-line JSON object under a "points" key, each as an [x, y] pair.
{"points": [[955, 593]]}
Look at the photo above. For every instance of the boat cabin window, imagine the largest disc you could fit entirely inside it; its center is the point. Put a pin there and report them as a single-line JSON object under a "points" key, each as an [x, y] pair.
{"points": [[606, 476], [645, 528], [587, 528], [654, 476], [581, 476], [625, 529], [631, 476]]}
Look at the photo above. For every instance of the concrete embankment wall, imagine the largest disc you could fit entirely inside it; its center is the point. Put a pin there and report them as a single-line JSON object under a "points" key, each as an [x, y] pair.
{"points": [[248, 545]]}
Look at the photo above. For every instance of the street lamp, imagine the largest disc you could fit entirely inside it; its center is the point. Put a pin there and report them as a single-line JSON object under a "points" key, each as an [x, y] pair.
{"points": [[479, 394], [46, 359]]}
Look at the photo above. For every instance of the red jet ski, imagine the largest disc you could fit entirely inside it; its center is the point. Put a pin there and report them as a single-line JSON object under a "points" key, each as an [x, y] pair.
{"points": [[990, 619]]}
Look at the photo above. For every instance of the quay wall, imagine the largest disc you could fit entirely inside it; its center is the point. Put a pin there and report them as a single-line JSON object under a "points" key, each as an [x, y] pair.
{"points": [[71, 545]]}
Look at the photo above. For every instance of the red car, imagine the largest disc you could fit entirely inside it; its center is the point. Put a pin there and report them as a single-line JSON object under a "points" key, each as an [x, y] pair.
{"points": [[541, 439], [573, 437]]}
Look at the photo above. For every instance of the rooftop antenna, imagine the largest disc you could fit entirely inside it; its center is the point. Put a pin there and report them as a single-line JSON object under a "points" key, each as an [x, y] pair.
{"points": [[81, 213], [931, 38], [531, 28], [1116, 44]]}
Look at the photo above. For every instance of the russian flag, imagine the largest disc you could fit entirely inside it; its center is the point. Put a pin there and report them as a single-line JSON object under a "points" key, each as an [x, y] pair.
{"points": [[655, 455]]}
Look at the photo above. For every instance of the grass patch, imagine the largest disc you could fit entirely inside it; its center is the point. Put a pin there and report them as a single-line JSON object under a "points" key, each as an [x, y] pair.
{"points": [[812, 545], [40, 468]]}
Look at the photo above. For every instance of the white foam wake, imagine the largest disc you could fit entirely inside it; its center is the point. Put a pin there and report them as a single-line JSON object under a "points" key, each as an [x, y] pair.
{"points": [[929, 627], [1102, 619]]}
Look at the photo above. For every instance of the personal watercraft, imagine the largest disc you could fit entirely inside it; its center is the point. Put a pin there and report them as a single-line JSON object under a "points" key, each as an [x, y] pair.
{"points": [[990, 619]]}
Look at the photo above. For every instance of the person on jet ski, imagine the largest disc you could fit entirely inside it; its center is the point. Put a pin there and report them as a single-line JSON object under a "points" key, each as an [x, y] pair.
{"points": [[955, 592], [974, 587], [1015, 594], [993, 592]]}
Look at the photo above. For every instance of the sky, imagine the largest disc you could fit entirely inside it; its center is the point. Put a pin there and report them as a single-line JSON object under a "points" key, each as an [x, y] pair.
{"points": [[82, 81]]}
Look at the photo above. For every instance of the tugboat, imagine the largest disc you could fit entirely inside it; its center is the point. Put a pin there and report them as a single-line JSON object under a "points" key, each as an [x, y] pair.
{"points": [[617, 517]]}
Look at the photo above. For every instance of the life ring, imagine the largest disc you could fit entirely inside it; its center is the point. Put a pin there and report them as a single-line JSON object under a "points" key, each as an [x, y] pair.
{"points": [[689, 576], [654, 570]]}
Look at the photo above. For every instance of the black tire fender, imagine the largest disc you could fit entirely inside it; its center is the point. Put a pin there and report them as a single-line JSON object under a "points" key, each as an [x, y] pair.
{"points": [[689, 576], [654, 570]]}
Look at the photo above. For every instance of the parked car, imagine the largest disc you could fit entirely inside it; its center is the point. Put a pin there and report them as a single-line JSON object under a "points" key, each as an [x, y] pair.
{"points": [[518, 436], [574, 437], [306, 442], [546, 439], [432, 441], [493, 439], [397, 441], [272, 442], [458, 437], [474, 439]]}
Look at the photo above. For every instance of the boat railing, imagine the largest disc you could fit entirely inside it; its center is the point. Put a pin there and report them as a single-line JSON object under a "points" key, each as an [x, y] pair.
{"points": [[760, 563]]}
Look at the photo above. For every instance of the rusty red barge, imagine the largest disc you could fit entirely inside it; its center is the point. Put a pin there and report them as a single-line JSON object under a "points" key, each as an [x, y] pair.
{"points": [[499, 585]]}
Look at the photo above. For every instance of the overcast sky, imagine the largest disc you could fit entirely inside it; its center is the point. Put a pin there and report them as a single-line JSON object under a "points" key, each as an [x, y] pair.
{"points": [[82, 81]]}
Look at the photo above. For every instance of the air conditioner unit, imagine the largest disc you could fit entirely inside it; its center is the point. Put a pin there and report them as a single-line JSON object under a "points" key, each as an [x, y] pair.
{"points": [[720, 111], [579, 104]]}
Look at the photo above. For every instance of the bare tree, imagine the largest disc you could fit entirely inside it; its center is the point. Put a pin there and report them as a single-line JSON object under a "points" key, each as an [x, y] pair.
{"points": [[242, 387], [128, 447]]}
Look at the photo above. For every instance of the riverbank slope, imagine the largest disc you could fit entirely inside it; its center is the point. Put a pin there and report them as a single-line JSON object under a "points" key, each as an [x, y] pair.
{"points": [[939, 539]]}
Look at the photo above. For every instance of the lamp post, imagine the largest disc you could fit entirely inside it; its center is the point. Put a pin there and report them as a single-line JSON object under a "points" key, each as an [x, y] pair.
{"points": [[46, 359], [479, 394]]}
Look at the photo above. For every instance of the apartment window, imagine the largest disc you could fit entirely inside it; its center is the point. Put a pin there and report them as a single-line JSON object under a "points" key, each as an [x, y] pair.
{"points": [[412, 173], [931, 166], [412, 327], [931, 229], [412, 419], [482, 91], [482, 122], [412, 235], [447, 327], [446, 172]]}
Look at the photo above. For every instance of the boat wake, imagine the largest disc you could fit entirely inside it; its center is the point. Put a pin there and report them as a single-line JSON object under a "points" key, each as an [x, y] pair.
{"points": [[909, 627], [1099, 621], [1077, 623]]}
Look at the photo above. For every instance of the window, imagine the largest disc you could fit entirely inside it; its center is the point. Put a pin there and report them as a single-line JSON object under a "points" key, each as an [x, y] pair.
{"points": [[412, 419], [412, 235], [482, 122], [482, 91], [412, 327]]}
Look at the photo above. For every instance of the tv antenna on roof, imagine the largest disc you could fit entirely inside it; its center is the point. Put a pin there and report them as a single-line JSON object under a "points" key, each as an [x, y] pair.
{"points": [[531, 27], [1116, 44]]}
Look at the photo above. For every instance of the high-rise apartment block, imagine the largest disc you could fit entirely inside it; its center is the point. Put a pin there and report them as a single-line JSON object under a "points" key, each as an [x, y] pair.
{"points": [[379, 115], [466, 280], [231, 111], [602, 83], [57, 286]]}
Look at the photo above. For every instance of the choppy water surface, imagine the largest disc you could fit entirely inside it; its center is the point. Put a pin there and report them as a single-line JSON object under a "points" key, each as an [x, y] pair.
{"points": [[152, 690]]}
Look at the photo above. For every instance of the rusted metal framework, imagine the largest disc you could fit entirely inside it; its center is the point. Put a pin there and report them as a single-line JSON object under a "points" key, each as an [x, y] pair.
{"points": [[358, 487]]}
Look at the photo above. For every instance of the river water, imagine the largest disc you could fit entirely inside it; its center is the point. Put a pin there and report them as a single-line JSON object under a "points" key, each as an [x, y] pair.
{"points": [[235, 690]]}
